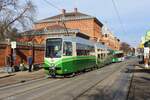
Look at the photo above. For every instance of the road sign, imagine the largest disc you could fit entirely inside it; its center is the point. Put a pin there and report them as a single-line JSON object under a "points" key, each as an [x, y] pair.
{"points": [[13, 44], [146, 50]]}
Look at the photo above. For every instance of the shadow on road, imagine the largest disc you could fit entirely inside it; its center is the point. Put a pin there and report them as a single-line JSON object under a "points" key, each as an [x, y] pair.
{"points": [[137, 71], [99, 95], [132, 69]]}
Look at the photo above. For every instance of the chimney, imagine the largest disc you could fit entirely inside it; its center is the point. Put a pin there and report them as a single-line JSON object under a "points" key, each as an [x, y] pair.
{"points": [[63, 11], [75, 10]]}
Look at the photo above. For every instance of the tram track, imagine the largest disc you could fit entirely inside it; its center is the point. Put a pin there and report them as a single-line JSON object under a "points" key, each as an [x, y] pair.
{"points": [[43, 88], [67, 90], [112, 74], [21, 83], [21, 77], [130, 85], [104, 87], [19, 89]]}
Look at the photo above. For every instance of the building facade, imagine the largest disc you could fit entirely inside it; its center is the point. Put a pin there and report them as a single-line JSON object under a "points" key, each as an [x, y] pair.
{"points": [[109, 39], [65, 23], [75, 20], [87, 24]]}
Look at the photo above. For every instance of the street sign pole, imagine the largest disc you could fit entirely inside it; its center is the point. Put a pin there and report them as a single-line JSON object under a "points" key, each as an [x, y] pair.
{"points": [[13, 46]]}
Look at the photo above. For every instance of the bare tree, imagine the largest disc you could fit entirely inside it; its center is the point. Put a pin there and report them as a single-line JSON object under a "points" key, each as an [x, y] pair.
{"points": [[15, 15], [125, 47]]}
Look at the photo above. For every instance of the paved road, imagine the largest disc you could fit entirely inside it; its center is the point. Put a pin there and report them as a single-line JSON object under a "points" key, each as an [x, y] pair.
{"points": [[107, 83], [18, 77]]}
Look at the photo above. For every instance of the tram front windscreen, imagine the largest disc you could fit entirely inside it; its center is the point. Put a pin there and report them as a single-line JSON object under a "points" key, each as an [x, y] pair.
{"points": [[53, 47], [119, 55]]}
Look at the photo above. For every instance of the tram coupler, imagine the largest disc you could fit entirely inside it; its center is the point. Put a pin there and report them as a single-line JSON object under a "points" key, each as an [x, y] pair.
{"points": [[52, 72]]}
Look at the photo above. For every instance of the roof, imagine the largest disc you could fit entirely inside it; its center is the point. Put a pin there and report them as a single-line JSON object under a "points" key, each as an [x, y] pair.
{"points": [[49, 30], [52, 27], [69, 16], [66, 15]]}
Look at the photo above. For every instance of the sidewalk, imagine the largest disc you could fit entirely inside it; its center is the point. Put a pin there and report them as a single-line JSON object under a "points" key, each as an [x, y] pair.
{"points": [[140, 89], [4, 74], [22, 76]]}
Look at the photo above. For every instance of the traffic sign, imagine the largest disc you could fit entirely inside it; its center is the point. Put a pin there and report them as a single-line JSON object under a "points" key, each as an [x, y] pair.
{"points": [[146, 50], [13, 44]]}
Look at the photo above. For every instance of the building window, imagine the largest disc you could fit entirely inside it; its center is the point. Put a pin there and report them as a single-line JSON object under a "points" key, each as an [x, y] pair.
{"points": [[106, 35]]}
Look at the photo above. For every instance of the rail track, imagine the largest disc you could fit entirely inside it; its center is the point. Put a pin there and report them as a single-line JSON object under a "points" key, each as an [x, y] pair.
{"points": [[104, 83], [55, 88]]}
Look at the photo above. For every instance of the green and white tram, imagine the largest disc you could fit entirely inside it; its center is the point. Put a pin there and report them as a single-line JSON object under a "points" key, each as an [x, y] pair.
{"points": [[118, 56], [67, 54]]}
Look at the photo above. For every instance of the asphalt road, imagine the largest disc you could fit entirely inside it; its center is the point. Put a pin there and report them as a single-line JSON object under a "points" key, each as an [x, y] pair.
{"points": [[108, 83]]}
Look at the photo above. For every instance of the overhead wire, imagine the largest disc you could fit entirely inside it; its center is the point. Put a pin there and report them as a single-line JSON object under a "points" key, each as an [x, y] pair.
{"points": [[62, 19], [118, 15], [51, 4]]}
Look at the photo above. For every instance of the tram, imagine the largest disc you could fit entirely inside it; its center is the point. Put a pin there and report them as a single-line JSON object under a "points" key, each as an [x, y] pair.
{"points": [[118, 56], [68, 54]]}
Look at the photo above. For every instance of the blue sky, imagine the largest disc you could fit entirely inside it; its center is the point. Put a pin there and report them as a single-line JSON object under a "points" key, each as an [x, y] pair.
{"points": [[135, 15]]}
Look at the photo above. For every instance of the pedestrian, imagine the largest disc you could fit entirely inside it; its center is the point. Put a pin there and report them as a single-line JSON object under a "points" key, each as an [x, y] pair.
{"points": [[30, 63], [8, 64]]}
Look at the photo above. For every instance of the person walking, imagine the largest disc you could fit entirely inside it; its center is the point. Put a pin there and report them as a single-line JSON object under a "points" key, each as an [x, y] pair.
{"points": [[30, 63], [8, 64]]}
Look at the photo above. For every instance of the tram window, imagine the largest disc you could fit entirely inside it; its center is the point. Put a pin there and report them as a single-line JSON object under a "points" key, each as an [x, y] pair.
{"points": [[67, 49], [82, 52], [99, 56], [85, 50], [92, 51]]}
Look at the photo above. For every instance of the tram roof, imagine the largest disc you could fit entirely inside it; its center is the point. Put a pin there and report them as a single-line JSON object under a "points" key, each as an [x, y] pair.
{"points": [[82, 41], [78, 40]]}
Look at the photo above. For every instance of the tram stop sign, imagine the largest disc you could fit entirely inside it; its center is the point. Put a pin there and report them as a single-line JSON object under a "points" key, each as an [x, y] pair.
{"points": [[13, 44]]}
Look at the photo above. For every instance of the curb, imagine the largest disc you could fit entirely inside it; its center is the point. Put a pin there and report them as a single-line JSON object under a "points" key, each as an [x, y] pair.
{"points": [[8, 75]]}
